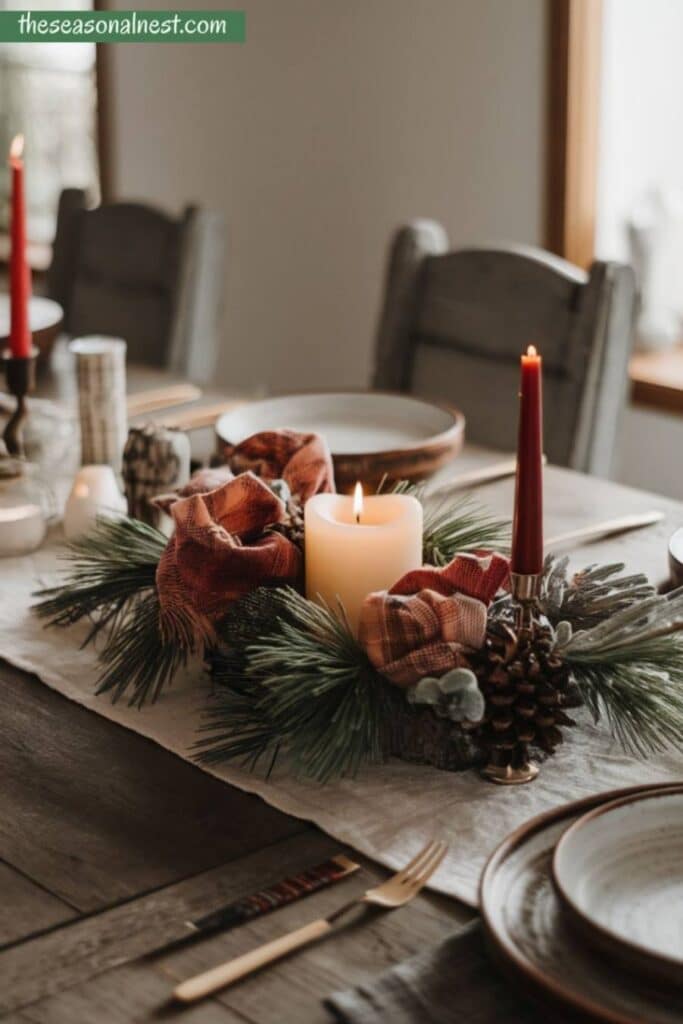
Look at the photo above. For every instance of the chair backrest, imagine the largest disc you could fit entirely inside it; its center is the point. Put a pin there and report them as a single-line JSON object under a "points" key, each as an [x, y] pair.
{"points": [[453, 325], [131, 271]]}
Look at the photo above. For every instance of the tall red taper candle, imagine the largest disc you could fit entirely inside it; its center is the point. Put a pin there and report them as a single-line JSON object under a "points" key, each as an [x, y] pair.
{"points": [[527, 527], [20, 274]]}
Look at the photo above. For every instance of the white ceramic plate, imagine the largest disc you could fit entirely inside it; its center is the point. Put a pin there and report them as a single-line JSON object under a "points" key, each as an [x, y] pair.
{"points": [[43, 313], [354, 423], [530, 934], [619, 872], [369, 433]]}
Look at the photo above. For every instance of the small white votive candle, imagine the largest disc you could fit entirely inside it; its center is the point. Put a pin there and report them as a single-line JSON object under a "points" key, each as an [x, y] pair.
{"points": [[22, 529], [94, 493], [356, 545]]}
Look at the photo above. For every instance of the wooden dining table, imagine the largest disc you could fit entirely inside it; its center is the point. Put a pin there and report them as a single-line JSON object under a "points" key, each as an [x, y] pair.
{"points": [[105, 837]]}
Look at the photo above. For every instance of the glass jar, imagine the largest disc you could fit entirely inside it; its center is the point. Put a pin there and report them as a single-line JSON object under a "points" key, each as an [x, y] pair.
{"points": [[26, 508]]}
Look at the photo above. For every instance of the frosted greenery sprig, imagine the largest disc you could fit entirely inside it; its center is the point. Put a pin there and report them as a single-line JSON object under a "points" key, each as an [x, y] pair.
{"points": [[629, 670]]}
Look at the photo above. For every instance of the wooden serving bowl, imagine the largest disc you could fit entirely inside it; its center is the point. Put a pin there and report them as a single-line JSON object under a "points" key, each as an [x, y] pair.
{"points": [[372, 434]]}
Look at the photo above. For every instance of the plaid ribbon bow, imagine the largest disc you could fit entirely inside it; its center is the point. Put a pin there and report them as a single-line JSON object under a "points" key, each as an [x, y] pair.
{"points": [[428, 620]]}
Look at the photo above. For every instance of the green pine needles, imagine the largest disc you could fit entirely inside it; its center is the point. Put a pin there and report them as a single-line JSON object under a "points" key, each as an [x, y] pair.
{"points": [[304, 686], [111, 581], [629, 670], [452, 526], [109, 568], [295, 689], [592, 595], [290, 676]]}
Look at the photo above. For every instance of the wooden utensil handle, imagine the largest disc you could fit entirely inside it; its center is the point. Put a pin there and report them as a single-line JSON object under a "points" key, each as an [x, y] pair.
{"points": [[197, 419], [142, 402], [225, 974], [598, 530]]}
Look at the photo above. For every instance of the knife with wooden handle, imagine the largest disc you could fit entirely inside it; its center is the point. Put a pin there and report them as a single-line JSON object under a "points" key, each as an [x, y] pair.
{"points": [[586, 534]]}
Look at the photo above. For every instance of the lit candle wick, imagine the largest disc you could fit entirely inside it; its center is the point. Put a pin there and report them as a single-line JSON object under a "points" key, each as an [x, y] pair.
{"points": [[358, 501], [16, 148], [531, 350]]}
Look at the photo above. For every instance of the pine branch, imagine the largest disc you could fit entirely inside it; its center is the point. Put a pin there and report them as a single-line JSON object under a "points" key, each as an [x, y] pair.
{"points": [[452, 526], [463, 526], [112, 580], [136, 660], [306, 687], [590, 596], [641, 701], [629, 670], [108, 567]]}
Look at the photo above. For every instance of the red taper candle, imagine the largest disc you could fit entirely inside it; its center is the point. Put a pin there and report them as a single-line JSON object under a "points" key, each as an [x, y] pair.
{"points": [[527, 526], [20, 274]]}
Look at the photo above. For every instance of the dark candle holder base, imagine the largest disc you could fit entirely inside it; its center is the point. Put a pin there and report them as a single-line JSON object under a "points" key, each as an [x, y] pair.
{"points": [[509, 774], [20, 373]]}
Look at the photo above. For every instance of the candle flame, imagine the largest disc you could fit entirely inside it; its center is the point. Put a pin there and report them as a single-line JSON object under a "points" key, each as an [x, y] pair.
{"points": [[358, 501], [531, 350], [16, 148]]}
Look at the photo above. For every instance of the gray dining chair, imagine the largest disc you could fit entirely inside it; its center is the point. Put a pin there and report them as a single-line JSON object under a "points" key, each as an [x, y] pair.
{"points": [[129, 270], [453, 325]]}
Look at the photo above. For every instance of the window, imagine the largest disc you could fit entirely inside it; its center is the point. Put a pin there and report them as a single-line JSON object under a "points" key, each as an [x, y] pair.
{"points": [[48, 93]]}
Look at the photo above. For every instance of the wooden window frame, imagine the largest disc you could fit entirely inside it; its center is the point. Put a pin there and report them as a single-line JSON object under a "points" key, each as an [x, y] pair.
{"points": [[104, 129], [574, 67]]}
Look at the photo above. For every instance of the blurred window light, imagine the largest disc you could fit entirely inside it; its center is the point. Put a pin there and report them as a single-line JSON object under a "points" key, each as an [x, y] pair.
{"points": [[48, 92], [640, 165]]}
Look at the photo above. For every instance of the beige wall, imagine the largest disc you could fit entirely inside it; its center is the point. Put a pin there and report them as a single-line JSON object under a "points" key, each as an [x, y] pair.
{"points": [[338, 120]]}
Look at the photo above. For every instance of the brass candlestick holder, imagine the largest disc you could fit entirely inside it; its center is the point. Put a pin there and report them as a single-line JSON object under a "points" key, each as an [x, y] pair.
{"points": [[512, 767], [20, 373]]}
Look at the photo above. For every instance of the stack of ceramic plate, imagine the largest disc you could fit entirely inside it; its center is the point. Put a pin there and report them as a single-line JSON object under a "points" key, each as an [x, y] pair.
{"points": [[584, 905]]}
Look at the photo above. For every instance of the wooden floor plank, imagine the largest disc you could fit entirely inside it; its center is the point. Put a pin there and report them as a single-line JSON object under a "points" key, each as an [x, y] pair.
{"points": [[72, 954], [291, 991], [129, 994], [97, 814], [26, 908]]}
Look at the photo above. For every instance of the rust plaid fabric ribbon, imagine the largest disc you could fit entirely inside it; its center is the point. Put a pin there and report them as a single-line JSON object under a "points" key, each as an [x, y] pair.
{"points": [[303, 461], [220, 550], [430, 617], [201, 482]]}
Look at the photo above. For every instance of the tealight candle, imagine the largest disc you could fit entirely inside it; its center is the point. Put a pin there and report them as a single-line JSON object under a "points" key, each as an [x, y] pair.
{"points": [[356, 545], [94, 493]]}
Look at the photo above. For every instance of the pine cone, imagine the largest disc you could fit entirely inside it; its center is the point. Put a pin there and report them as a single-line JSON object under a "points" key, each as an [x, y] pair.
{"points": [[293, 526], [527, 688]]}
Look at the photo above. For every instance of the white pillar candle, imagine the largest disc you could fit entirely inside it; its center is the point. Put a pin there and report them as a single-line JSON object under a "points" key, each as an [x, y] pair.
{"points": [[94, 493], [355, 549]]}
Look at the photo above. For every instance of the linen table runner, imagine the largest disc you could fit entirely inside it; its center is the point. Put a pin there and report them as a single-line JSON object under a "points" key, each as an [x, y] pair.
{"points": [[387, 812]]}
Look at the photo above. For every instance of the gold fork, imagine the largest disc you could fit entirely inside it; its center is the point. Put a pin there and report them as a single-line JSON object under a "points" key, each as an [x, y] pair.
{"points": [[395, 892]]}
